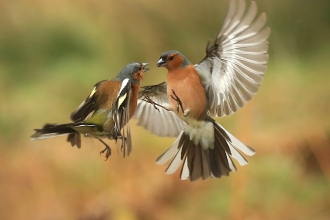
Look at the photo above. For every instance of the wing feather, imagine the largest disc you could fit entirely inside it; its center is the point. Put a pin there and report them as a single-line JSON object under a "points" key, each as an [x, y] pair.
{"points": [[160, 122], [235, 64], [121, 116], [87, 106]]}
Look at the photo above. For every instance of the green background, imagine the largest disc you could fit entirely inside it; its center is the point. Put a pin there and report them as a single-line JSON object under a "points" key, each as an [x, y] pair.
{"points": [[53, 52]]}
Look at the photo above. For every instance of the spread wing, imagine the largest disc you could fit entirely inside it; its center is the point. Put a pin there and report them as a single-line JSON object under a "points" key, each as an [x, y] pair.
{"points": [[87, 107], [160, 122], [236, 62]]}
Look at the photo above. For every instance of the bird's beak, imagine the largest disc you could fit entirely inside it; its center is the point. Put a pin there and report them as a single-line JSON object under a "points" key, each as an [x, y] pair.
{"points": [[161, 62], [144, 69]]}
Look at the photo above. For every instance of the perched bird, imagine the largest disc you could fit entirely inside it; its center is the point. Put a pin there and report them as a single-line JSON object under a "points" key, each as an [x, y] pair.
{"points": [[223, 82], [104, 113]]}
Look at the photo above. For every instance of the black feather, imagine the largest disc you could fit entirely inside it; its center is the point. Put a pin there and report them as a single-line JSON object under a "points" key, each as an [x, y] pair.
{"points": [[121, 116], [74, 139], [87, 106]]}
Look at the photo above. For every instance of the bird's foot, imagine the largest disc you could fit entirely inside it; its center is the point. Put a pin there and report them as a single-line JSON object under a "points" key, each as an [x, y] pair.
{"points": [[106, 150], [186, 112], [179, 106]]}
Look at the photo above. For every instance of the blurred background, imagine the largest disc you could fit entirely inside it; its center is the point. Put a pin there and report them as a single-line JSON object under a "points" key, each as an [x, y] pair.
{"points": [[53, 52]]}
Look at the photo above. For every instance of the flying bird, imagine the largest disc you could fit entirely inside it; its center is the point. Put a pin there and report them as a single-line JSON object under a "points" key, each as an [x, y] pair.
{"points": [[219, 85], [104, 113]]}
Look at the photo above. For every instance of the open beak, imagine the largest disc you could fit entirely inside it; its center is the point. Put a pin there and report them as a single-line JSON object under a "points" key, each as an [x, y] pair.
{"points": [[161, 62], [144, 69]]}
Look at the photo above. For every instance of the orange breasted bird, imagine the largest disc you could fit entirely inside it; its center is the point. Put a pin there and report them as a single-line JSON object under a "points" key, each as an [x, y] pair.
{"points": [[223, 82], [104, 113]]}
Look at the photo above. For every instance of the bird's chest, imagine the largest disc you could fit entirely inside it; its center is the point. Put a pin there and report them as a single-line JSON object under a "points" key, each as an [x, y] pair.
{"points": [[133, 99], [186, 84], [103, 115]]}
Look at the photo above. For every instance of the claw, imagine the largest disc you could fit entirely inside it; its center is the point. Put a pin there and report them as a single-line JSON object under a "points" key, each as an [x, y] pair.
{"points": [[186, 113], [177, 99], [106, 150]]}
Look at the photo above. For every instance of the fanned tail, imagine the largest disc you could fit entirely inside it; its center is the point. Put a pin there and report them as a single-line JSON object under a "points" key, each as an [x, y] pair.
{"points": [[205, 156]]}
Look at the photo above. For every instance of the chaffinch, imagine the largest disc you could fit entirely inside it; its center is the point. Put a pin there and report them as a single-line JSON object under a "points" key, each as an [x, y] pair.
{"points": [[104, 113], [223, 82]]}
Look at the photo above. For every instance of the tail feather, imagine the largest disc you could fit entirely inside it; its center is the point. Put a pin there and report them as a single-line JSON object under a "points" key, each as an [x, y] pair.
{"points": [[238, 156], [175, 163], [194, 162], [52, 130], [222, 137], [206, 163], [231, 164], [55, 130], [167, 155], [221, 150], [215, 163], [201, 162], [184, 174], [244, 148], [220, 164]]}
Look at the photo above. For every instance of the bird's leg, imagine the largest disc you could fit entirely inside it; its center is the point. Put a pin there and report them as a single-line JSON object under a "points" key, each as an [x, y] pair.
{"points": [[107, 150], [156, 105], [177, 99]]}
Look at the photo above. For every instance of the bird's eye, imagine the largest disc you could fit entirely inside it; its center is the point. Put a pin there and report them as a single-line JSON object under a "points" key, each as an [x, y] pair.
{"points": [[170, 58]]}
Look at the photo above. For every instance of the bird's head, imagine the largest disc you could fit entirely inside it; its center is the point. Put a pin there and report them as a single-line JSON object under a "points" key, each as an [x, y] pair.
{"points": [[172, 60], [133, 71]]}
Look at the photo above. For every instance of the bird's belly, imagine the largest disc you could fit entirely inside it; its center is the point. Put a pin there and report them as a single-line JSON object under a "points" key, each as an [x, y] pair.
{"points": [[93, 131], [192, 97]]}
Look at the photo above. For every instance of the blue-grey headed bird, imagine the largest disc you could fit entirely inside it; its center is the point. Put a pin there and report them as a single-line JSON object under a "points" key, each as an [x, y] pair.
{"points": [[223, 82], [104, 113]]}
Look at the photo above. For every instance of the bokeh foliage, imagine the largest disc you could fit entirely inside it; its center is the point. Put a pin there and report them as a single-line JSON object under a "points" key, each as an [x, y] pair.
{"points": [[53, 52]]}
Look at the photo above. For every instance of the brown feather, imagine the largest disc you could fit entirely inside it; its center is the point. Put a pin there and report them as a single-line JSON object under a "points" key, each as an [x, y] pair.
{"points": [[187, 86]]}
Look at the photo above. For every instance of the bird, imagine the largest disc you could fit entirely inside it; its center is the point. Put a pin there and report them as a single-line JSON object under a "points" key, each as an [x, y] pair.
{"points": [[220, 84], [104, 113]]}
